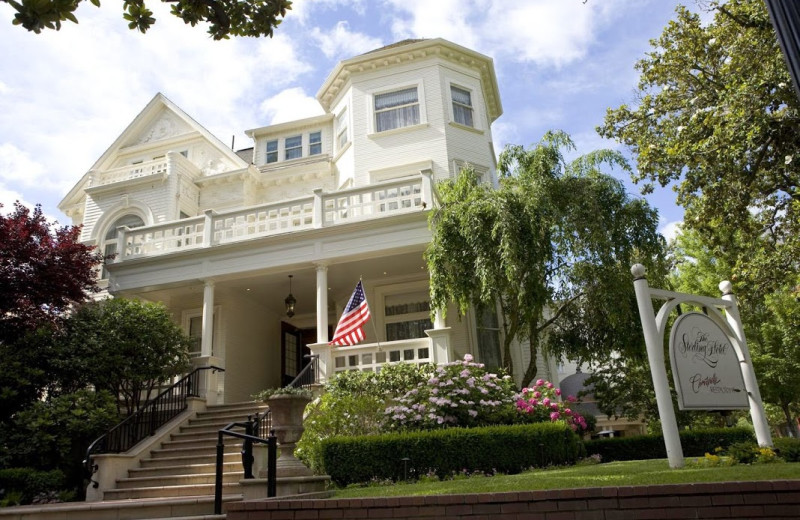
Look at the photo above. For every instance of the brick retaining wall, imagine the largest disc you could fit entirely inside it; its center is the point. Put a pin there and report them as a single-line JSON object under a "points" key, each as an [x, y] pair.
{"points": [[741, 500]]}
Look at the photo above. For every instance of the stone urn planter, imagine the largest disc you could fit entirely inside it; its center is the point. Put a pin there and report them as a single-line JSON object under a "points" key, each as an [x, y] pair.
{"points": [[287, 421]]}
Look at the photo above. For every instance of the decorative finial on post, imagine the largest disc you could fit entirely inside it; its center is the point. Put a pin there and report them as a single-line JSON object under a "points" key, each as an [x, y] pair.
{"points": [[726, 287], [638, 271]]}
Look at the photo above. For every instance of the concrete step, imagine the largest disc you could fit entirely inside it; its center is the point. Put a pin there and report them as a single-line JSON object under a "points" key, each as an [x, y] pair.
{"points": [[188, 490], [178, 480], [200, 433], [206, 442], [178, 460], [193, 452], [183, 508], [221, 419], [189, 468]]}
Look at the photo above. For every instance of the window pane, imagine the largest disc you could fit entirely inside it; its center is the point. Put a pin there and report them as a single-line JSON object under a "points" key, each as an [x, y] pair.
{"points": [[315, 143], [397, 98], [272, 151], [397, 118], [461, 96], [294, 147], [462, 106]]}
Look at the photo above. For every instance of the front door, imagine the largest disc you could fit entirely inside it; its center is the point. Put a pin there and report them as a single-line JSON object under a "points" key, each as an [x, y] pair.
{"points": [[291, 352]]}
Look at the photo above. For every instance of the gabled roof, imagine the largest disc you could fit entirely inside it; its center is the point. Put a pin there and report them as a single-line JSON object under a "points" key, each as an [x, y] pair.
{"points": [[406, 51], [135, 132]]}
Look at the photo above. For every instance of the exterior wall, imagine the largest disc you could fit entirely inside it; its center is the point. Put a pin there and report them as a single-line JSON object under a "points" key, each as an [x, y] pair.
{"points": [[767, 499], [252, 348], [420, 143], [103, 208]]}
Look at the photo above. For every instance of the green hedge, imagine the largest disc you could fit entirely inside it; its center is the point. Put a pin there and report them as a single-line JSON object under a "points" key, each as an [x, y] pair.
{"points": [[788, 447], [26, 483], [695, 443], [505, 449]]}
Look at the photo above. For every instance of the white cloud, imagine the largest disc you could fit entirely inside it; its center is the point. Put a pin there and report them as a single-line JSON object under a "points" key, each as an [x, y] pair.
{"points": [[8, 198], [671, 230], [289, 105], [302, 9], [341, 43]]}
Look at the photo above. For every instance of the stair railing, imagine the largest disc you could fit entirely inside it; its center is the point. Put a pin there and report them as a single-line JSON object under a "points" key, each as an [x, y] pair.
{"points": [[251, 426], [309, 375], [147, 419]]}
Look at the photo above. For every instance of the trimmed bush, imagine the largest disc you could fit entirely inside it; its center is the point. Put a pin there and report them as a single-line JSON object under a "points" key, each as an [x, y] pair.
{"points": [[26, 483], [789, 448], [695, 443], [505, 449]]}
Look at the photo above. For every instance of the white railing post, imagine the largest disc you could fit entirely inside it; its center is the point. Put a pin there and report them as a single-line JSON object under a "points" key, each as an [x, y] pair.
{"points": [[427, 187], [658, 370], [760, 424], [325, 363], [318, 214], [208, 230], [440, 340]]}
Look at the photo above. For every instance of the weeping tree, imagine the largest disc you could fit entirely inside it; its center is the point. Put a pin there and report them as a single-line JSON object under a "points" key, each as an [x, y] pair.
{"points": [[552, 245]]}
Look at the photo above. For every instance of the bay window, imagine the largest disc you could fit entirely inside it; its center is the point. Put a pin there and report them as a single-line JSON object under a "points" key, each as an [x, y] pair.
{"points": [[462, 106], [396, 109]]}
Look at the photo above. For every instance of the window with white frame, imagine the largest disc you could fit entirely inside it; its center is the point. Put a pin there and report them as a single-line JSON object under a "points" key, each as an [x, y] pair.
{"points": [[193, 325], [488, 332], [342, 137], [315, 143], [396, 109], [110, 243], [407, 315], [293, 147], [462, 105], [272, 151]]}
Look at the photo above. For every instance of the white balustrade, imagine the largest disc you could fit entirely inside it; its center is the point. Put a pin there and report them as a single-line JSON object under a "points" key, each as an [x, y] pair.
{"points": [[133, 171], [370, 357], [162, 238], [263, 220], [319, 210]]}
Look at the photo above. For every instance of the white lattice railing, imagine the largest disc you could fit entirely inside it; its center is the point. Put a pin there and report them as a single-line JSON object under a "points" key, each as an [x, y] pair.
{"points": [[372, 356], [173, 236], [133, 171], [317, 211], [263, 220], [394, 197]]}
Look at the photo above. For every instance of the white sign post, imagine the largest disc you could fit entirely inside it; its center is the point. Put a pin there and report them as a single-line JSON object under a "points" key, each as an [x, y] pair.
{"points": [[715, 335]]}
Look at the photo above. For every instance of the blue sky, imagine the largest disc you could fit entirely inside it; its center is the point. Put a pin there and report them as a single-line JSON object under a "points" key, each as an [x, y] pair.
{"points": [[65, 96]]}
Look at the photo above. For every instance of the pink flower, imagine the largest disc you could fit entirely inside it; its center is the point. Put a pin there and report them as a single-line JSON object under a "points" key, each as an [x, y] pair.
{"points": [[558, 391], [567, 411], [546, 401], [554, 406], [537, 395], [554, 416], [571, 398], [467, 357], [549, 385], [539, 382]]}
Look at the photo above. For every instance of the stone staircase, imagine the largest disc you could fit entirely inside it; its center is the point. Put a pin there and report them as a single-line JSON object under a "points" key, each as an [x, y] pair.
{"points": [[175, 481]]}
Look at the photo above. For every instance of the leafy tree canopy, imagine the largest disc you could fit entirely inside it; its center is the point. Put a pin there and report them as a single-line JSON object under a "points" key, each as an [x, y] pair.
{"points": [[553, 245], [225, 17], [44, 271], [716, 113]]}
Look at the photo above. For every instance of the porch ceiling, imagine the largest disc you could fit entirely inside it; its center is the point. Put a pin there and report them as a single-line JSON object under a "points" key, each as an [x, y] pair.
{"points": [[271, 289]]}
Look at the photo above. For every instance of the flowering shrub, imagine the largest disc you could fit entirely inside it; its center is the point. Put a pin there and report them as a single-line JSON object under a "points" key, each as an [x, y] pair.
{"points": [[540, 403], [462, 393]]}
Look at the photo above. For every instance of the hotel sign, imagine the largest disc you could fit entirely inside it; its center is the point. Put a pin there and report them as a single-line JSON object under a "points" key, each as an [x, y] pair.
{"points": [[705, 365]]}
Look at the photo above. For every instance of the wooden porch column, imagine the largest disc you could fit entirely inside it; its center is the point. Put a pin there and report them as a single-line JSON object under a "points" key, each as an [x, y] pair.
{"points": [[206, 343], [322, 303]]}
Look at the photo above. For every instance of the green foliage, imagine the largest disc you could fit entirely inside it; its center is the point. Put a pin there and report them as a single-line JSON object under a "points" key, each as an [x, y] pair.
{"points": [[505, 449], [286, 390], [716, 113], [743, 452], [554, 235], [55, 433], [19, 486], [695, 443], [462, 393], [354, 403], [127, 347], [788, 448], [225, 17]]}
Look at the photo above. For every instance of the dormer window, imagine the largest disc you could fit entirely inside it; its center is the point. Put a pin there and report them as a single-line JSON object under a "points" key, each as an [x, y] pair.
{"points": [[293, 147], [272, 151], [396, 109], [315, 143], [462, 106]]}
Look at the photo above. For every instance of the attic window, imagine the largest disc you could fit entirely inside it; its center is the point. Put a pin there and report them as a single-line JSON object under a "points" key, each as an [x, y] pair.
{"points": [[315, 143], [293, 147], [272, 151]]}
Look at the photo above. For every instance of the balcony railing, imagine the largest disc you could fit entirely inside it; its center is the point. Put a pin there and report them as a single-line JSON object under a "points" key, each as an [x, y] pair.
{"points": [[370, 357], [317, 211]]}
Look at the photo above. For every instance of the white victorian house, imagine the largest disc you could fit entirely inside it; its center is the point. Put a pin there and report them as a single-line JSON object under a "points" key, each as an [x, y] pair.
{"points": [[215, 234]]}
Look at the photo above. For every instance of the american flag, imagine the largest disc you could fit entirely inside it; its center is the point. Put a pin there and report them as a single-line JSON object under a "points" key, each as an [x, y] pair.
{"points": [[350, 329]]}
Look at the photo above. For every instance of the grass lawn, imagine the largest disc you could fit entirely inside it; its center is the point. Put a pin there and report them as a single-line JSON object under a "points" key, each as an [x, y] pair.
{"points": [[629, 473]]}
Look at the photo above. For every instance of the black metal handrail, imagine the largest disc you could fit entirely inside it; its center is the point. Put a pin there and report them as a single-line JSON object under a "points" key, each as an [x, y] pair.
{"points": [[147, 419], [309, 375], [251, 428]]}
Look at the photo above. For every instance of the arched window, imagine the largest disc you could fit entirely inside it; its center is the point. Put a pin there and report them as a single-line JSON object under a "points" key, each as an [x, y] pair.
{"points": [[110, 245]]}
